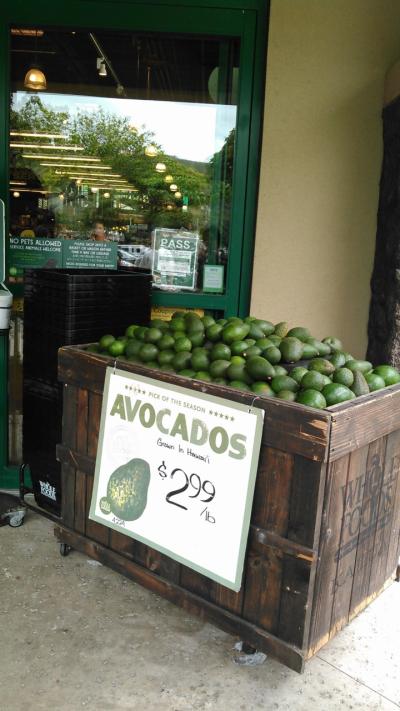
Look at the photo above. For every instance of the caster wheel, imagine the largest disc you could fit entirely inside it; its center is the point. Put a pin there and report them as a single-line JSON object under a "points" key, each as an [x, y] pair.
{"points": [[16, 519], [64, 549]]}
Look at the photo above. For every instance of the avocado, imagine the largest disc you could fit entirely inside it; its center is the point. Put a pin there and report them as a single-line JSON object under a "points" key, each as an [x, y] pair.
{"points": [[360, 385], [281, 329], [291, 349], [322, 348], [309, 351], [299, 332], [127, 489], [322, 366], [335, 393], [390, 375], [311, 398], [364, 366], [374, 381]]}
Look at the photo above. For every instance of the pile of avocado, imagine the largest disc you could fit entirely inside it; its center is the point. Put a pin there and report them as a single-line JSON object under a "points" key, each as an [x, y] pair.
{"points": [[251, 354]]}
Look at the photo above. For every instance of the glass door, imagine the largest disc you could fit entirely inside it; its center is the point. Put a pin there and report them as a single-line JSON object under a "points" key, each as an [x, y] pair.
{"points": [[137, 128]]}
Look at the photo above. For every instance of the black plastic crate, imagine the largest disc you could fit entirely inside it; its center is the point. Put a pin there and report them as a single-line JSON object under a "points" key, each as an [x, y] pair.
{"points": [[74, 306]]}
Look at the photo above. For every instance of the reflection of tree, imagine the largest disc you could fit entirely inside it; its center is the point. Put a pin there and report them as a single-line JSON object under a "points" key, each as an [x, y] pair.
{"points": [[112, 139]]}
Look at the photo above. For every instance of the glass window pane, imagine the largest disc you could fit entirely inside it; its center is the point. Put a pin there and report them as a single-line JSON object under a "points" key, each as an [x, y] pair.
{"points": [[125, 138]]}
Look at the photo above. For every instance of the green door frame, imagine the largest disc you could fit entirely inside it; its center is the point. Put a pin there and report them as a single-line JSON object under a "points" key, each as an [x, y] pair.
{"points": [[246, 19]]}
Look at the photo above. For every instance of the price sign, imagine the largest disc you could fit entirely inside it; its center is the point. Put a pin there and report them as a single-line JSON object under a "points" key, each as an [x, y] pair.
{"points": [[176, 469]]}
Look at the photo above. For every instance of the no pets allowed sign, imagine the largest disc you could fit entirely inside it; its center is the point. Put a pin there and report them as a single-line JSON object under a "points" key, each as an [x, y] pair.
{"points": [[176, 470]]}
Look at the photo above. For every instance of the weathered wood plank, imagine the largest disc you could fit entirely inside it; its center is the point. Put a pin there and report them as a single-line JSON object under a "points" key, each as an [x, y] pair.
{"points": [[162, 565], [80, 501], [272, 491], [364, 420], [263, 567], [369, 516], [393, 501], [292, 625], [93, 529], [82, 421], [69, 416], [352, 495], [306, 501], [80, 461], [68, 495], [94, 413], [193, 604], [197, 583], [329, 543], [121, 544], [228, 599], [386, 513]]}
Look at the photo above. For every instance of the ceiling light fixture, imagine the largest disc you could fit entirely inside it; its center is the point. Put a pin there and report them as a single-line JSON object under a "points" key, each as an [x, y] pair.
{"points": [[101, 67], [17, 182], [48, 146], [27, 134], [168, 178], [178, 195], [151, 151], [16, 194], [106, 195], [35, 79], [96, 179], [39, 156], [81, 165], [96, 176], [34, 190], [107, 65], [161, 167], [173, 188]]}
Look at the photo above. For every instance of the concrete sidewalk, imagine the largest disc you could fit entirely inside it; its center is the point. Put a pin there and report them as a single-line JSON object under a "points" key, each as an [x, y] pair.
{"points": [[74, 634]]}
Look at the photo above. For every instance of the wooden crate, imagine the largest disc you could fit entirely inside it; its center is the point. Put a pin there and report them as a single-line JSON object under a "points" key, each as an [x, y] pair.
{"points": [[324, 535]]}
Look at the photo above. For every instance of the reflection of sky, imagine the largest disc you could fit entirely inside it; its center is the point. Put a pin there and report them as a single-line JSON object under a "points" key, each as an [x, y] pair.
{"points": [[189, 131]]}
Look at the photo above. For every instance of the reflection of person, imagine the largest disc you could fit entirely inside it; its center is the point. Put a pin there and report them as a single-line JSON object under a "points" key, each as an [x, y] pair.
{"points": [[98, 233]]}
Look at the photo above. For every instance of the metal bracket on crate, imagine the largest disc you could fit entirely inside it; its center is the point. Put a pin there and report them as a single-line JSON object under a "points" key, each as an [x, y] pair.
{"points": [[253, 401]]}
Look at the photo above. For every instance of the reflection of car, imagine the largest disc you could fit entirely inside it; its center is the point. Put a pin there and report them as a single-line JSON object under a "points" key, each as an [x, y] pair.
{"points": [[130, 254]]}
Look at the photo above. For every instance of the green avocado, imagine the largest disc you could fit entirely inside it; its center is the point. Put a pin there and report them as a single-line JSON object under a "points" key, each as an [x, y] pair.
{"points": [[299, 332], [335, 393], [364, 366], [291, 349], [390, 375], [322, 366], [360, 385], [127, 489]]}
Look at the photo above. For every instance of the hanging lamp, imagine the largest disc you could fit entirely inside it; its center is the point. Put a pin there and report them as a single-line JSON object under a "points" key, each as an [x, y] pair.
{"points": [[35, 79]]}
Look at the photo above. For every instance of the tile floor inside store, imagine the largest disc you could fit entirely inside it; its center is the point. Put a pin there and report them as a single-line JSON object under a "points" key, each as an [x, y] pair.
{"points": [[74, 634]]}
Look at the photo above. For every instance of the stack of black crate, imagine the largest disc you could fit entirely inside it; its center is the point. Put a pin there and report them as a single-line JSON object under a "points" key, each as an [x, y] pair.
{"points": [[67, 307]]}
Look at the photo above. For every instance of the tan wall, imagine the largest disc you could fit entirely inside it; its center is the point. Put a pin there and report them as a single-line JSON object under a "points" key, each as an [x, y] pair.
{"points": [[321, 160]]}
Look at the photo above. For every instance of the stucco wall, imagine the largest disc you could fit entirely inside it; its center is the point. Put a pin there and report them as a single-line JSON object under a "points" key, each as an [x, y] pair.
{"points": [[321, 159]]}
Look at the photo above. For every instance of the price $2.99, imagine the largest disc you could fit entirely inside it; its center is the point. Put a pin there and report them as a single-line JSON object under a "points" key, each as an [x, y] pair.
{"points": [[205, 489]]}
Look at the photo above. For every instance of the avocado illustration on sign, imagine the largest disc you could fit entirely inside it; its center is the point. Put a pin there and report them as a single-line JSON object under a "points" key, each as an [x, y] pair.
{"points": [[127, 489]]}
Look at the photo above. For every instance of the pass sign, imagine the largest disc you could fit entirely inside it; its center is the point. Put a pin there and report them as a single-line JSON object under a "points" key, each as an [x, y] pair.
{"points": [[174, 259], [176, 469]]}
